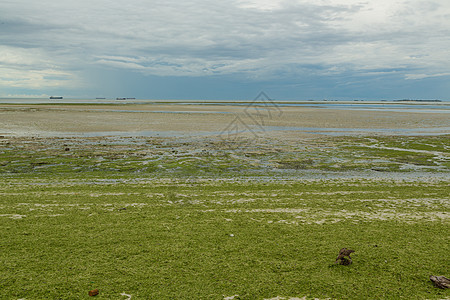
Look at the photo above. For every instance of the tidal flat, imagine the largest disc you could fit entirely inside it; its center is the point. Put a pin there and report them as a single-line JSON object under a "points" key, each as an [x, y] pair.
{"points": [[207, 212]]}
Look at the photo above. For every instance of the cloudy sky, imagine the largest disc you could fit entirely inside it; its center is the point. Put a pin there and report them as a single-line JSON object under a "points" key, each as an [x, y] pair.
{"points": [[216, 49]]}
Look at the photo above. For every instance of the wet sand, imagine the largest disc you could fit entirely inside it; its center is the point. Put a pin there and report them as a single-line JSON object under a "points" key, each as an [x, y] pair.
{"points": [[211, 120]]}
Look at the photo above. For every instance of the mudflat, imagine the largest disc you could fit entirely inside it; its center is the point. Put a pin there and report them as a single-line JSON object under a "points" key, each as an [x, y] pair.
{"points": [[200, 119]]}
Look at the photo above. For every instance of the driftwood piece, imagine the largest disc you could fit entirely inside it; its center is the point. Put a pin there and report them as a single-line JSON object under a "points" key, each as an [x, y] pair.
{"points": [[344, 257], [440, 281]]}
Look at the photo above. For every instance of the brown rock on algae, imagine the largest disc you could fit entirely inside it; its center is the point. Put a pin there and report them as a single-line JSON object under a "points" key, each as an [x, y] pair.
{"points": [[342, 257], [440, 281]]}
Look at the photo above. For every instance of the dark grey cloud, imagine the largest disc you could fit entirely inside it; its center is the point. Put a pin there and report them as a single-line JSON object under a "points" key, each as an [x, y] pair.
{"points": [[249, 38]]}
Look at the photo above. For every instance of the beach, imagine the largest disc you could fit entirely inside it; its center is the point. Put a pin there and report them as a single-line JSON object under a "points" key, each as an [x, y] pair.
{"points": [[274, 121], [223, 201]]}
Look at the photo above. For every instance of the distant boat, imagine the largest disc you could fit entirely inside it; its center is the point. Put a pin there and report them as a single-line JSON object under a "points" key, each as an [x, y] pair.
{"points": [[100, 98], [121, 98], [56, 97]]}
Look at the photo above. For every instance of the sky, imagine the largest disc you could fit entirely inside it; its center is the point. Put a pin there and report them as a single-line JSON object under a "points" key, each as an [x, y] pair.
{"points": [[219, 49]]}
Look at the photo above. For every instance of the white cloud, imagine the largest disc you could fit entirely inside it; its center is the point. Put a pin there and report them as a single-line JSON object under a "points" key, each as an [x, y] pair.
{"points": [[36, 79], [49, 42], [422, 76], [261, 4], [23, 95], [32, 68]]}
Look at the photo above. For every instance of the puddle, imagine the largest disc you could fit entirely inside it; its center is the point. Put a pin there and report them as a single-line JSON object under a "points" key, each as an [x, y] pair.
{"points": [[438, 154], [408, 108], [256, 130], [190, 112], [414, 106], [353, 131], [142, 111]]}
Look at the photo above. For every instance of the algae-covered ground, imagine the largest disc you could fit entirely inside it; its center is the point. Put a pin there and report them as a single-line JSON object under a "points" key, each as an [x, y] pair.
{"points": [[217, 157], [160, 218]]}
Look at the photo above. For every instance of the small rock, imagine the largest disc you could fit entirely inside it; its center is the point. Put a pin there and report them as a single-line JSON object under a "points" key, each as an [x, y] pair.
{"points": [[344, 257], [440, 282], [93, 292], [231, 234], [345, 261], [66, 149]]}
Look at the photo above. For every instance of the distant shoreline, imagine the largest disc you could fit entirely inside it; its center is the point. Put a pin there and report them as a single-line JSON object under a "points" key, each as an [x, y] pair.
{"points": [[97, 101]]}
